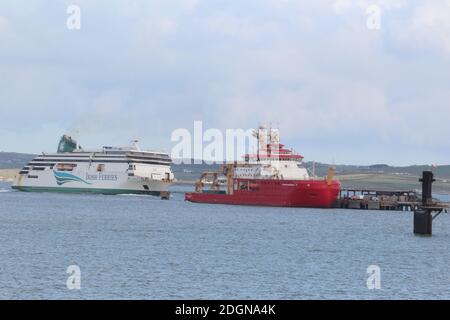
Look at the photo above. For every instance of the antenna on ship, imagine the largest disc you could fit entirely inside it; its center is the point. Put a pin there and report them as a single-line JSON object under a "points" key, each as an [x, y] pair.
{"points": [[135, 145], [269, 146], [314, 169], [257, 135]]}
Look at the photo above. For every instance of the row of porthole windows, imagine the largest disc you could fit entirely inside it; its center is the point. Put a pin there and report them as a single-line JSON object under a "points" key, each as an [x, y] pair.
{"points": [[63, 167]]}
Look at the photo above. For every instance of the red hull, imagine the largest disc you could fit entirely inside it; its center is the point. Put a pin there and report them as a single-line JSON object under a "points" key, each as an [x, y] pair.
{"points": [[280, 193]]}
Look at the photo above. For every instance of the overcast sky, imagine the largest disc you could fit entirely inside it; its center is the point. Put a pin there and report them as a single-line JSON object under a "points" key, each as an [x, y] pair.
{"points": [[338, 90]]}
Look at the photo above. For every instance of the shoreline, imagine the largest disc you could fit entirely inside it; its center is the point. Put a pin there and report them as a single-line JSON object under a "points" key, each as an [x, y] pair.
{"points": [[8, 175], [349, 181]]}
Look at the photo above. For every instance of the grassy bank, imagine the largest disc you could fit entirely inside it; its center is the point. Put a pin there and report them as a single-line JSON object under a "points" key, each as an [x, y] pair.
{"points": [[390, 182]]}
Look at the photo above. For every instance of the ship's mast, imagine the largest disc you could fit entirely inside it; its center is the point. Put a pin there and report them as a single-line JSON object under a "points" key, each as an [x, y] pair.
{"points": [[314, 169], [259, 138]]}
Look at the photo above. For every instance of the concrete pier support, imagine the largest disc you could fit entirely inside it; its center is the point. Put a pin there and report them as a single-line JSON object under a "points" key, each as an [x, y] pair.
{"points": [[423, 222], [423, 218]]}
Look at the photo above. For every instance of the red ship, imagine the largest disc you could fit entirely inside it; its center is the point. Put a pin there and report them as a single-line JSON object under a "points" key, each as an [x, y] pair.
{"points": [[274, 176]]}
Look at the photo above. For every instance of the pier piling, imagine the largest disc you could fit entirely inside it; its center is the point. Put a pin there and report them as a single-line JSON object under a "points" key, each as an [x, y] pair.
{"points": [[423, 215], [423, 222]]}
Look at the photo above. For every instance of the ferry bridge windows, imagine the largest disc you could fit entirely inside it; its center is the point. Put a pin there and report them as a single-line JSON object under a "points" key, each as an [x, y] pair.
{"points": [[33, 168]]}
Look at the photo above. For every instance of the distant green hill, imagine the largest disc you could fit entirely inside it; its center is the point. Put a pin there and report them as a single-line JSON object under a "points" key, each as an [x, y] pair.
{"points": [[12, 160], [442, 172], [192, 171]]}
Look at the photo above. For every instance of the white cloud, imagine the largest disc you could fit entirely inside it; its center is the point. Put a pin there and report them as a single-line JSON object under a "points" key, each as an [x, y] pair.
{"points": [[431, 25], [189, 5], [343, 6], [4, 25], [311, 66]]}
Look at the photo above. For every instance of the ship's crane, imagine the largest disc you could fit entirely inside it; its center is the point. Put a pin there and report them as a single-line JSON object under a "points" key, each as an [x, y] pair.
{"points": [[200, 183]]}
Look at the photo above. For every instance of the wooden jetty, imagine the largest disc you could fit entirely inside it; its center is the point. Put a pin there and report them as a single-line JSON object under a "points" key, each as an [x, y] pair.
{"points": [[369, 199]]}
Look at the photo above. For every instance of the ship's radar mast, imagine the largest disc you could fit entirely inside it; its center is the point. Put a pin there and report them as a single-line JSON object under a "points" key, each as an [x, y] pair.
{"points": [[135, 145], [267, 137]]}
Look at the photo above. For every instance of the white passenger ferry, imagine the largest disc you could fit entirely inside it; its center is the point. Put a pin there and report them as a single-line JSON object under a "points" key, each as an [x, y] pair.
{"points": [[110, 170]]}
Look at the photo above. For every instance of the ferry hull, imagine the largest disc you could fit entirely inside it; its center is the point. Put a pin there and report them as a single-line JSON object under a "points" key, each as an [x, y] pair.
{"points": [[88, 190], [279, 193]]}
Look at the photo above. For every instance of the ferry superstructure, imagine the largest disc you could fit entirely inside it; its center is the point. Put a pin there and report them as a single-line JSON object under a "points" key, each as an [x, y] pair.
{"points": [[110, 170], [274, 176]]}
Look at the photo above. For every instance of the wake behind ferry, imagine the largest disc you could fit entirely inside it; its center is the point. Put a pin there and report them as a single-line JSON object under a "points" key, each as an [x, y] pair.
{"points": [[110, 170], [274, 176]]}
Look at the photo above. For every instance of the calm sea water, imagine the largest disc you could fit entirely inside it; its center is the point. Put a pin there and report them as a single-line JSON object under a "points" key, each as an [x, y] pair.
{"points": [[138, 247]]}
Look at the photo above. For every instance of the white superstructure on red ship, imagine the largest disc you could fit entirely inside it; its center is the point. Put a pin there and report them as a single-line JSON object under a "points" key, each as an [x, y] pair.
{"points": [[272, 160]]}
